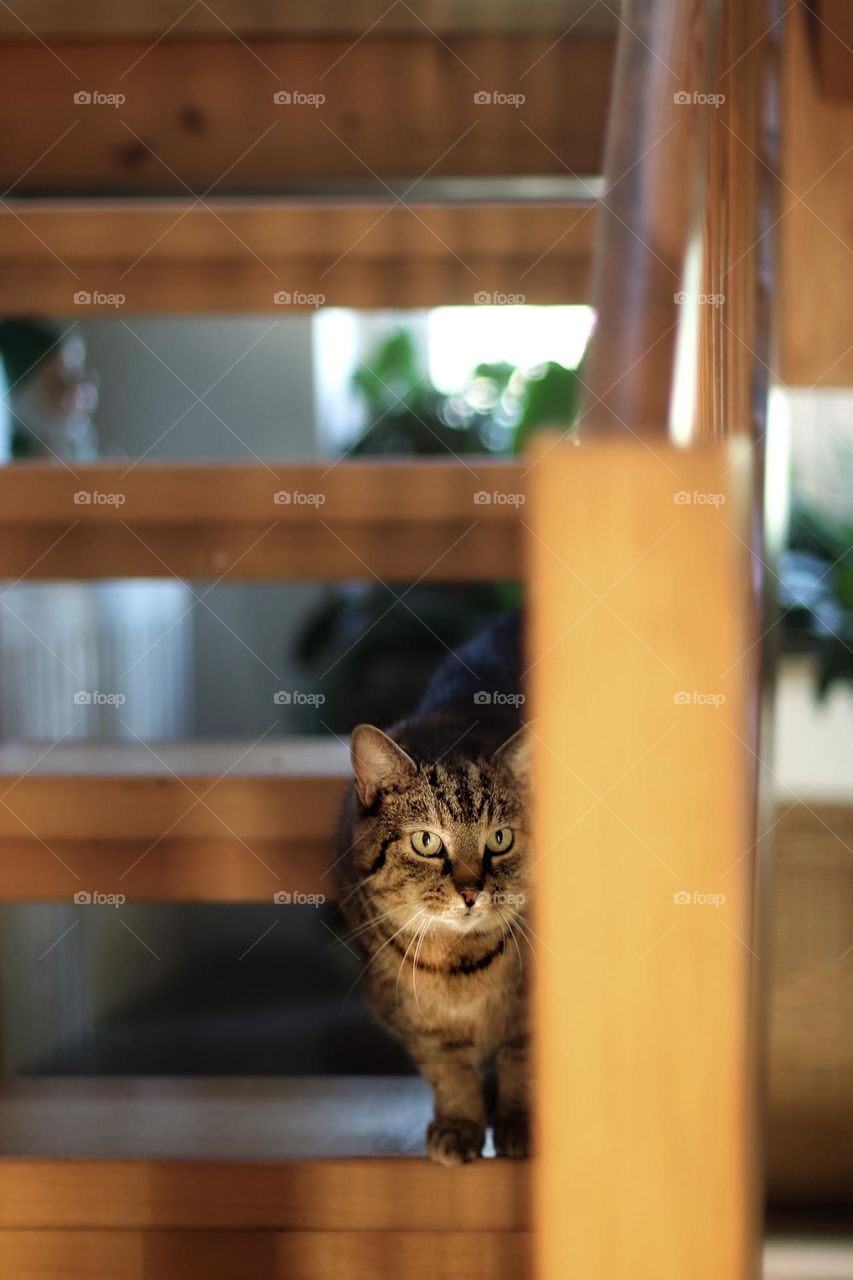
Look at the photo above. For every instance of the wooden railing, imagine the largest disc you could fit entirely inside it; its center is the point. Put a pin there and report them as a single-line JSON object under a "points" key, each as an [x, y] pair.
{"points": [[643, 612]]}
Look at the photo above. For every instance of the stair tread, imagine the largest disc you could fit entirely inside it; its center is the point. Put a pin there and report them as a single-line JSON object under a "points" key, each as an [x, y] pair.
{"points": [[237, 757], [307, 1154], [213, 1118]]}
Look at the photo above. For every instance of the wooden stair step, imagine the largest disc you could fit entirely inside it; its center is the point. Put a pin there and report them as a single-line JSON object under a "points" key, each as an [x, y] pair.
{"points": [[228, 821], [273, 1178], [392, 521], [266, 1255], [198, 114], [315, 1153], [349, 249], [52, 18]]}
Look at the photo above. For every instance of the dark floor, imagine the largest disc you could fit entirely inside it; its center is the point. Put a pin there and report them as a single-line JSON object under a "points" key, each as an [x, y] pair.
{"points": [[283, 1009]]}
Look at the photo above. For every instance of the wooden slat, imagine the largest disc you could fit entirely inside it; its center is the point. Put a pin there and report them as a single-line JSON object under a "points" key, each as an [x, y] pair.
{"points": [[645, 1085], [341, 1255], [816, 237], [324, 1195], [293, 1255], [164, 869], [51, 18], [152, 826], [316, 1154], [201, 114], [388, 521], [810, 1037], [171, 257]]}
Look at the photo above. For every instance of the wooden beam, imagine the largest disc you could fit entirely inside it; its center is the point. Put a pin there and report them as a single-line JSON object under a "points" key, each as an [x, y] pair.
{"points": [[117, 258], [101, 18], [199, 116], [644, 875], [273, 1255], [362, 520], [815, 308]]}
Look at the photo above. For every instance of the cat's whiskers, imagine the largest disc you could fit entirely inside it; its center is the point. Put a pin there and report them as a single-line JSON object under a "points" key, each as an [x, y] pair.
{"points": [[379, 950], [507, 922], [368, 925], [423, 933], [526, 933], [413, 939], [357, 888]]}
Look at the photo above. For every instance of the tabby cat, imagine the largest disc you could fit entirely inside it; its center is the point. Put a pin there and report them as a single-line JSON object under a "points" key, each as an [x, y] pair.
{"points": [[431, 878]]}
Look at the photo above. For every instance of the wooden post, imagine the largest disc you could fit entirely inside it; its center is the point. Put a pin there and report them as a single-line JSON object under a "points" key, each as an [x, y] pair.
{"points": [[643, 876]]}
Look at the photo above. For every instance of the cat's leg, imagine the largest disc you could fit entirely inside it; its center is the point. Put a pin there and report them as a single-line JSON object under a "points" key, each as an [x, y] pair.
{"points": [[458, 1129], [512, 1116]]}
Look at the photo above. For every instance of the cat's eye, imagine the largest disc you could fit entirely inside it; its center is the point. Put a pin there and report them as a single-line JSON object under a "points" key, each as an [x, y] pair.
{"points": [[500, 841], [427, 844]]}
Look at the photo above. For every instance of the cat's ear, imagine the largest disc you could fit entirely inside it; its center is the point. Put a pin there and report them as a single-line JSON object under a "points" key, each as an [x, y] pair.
{"points": [[378, 763], [514, 755]]}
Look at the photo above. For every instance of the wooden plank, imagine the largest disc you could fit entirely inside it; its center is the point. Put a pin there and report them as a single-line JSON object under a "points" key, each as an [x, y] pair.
{"points": [[810, 1037], [378, 1194], [149, 826], [293, 1255], [142, 808], [442, 521], [199, 114], [172, 257], [393, 552], [314, 1154], [816, 235], [334, 490], [642, 804], [52, 18], [164, 869], [342, 1255]]}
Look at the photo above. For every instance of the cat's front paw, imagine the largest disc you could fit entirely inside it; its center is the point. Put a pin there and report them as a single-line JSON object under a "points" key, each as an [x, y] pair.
{"points": [[452, 1142], [512, 1135]]}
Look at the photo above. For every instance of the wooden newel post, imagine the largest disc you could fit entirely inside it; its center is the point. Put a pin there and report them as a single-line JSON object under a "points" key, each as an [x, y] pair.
{"points": [[643, 546]]}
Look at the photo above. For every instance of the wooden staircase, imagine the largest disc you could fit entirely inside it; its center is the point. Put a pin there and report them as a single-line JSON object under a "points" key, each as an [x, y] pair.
{"points": [[216, 1178], [199, 194]]}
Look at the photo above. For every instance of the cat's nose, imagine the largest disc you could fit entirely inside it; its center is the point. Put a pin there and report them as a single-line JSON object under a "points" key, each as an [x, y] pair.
{"points": [[469, 896]]}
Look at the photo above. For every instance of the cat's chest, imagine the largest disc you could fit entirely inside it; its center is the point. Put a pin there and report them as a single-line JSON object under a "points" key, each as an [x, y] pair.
{"points": [[455, 994]]}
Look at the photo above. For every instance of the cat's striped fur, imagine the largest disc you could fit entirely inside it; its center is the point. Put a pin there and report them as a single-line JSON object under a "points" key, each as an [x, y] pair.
{"points": [[443, 936]]}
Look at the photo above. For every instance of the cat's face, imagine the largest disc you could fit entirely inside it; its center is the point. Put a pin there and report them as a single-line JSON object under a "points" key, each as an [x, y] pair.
{"points": [[441, 843]]}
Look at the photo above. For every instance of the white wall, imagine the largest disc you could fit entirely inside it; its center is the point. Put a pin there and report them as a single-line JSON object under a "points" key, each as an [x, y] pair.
{"points": [[814, 739], [262, 407]]}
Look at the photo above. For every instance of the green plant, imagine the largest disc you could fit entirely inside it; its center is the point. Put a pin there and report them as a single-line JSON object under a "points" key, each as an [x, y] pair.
{"points": [[816, 592], [371, 655]]}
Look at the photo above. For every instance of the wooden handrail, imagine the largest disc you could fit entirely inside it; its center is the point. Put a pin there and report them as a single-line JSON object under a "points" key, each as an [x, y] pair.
{"points": [[649, 216]]}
